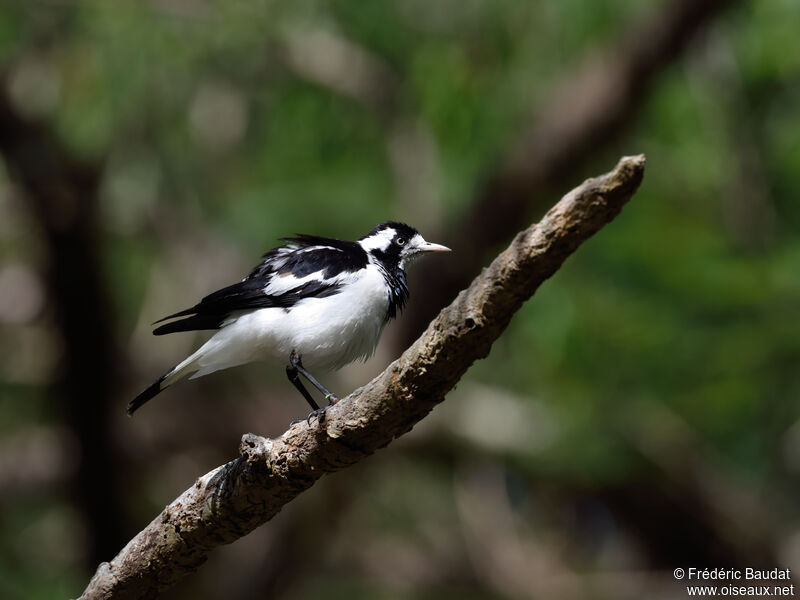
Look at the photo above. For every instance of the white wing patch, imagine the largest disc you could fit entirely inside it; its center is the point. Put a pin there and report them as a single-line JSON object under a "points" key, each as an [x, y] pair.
{"points": [[311, 248], [279, 284]]}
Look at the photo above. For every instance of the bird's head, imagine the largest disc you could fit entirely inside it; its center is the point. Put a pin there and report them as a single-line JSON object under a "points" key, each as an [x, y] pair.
{"points": [[397, 243]]}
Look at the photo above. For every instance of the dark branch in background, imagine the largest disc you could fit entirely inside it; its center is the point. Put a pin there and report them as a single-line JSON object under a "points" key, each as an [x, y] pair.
{"points": [[62, 196], [585, 114], [232, 500]]}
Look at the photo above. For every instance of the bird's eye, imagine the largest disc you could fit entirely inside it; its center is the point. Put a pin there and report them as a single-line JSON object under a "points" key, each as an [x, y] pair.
{"points": [[401, 241]]}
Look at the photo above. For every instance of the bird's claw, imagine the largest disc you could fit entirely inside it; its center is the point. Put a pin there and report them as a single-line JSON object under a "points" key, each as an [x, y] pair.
{"points": [[318, 413]]}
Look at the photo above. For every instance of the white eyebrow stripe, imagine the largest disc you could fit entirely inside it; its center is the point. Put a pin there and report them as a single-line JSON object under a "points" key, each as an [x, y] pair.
{"points": [[379, 241]]}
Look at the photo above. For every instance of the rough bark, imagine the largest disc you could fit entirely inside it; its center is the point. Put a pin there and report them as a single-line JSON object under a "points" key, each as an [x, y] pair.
{"points": [[230, 501]]}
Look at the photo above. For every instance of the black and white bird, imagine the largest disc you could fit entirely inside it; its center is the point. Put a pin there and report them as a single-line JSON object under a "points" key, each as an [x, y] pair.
{"points": [[314, 302]]}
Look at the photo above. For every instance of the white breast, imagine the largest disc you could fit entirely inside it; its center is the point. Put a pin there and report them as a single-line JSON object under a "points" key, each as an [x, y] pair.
{"points": [[331, 332], [327, 333]]}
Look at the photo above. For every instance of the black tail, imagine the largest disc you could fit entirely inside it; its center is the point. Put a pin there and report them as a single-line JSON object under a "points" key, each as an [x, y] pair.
{"points": [[149, 393], [192, 323]]}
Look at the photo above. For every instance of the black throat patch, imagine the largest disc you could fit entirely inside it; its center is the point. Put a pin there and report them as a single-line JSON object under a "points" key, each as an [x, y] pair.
{"points": [[395, 277]]}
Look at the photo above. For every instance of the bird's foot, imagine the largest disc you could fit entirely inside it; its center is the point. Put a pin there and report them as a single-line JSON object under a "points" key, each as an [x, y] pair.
{"points": [[319, 413]]}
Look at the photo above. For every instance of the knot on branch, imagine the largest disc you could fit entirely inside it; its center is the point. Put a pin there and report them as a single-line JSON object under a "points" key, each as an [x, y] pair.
{"points": [[254, 446]]}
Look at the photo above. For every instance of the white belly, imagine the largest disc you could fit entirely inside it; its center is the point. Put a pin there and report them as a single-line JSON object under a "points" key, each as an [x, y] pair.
{"points": [[327, 333]]}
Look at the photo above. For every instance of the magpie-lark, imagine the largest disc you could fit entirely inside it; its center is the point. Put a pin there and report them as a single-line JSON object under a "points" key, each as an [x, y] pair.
{"points": [[315, 301]]}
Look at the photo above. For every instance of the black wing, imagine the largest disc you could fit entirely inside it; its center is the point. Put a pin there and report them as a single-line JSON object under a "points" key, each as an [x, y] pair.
{"points": [[306, 254], [212, 311], [303, 256]]}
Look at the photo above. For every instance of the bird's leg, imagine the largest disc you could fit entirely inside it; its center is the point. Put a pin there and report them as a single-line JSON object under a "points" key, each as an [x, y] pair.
{"points": [[296, 363], [295, 367], [291, 373]]}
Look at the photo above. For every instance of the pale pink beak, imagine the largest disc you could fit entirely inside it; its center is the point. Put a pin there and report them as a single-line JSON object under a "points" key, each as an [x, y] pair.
{"points": [[429, 247]]}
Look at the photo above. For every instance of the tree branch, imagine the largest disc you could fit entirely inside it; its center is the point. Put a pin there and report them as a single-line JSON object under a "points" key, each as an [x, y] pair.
{"points": [[232, 500]]}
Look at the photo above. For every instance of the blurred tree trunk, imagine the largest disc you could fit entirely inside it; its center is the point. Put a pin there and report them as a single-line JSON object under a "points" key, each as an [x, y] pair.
{"points": [[61, 192]]}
